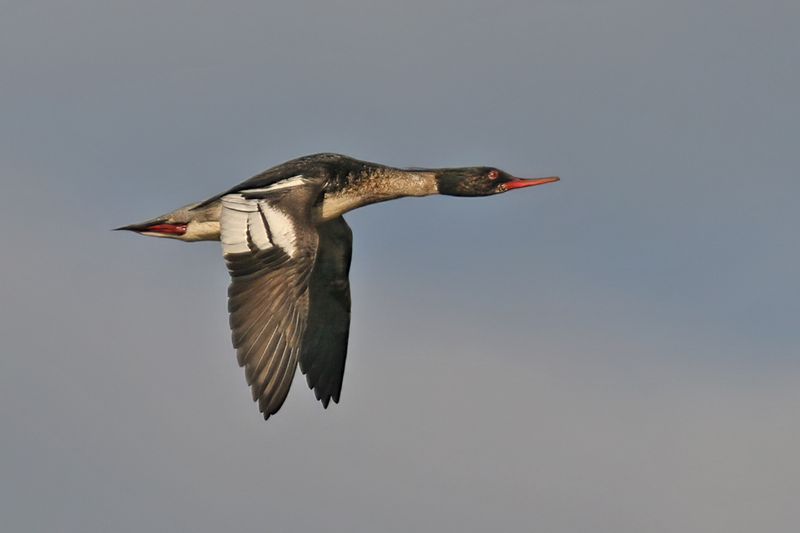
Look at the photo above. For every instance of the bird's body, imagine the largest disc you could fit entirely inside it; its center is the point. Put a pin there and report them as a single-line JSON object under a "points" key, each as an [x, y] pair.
{"points": [[288, 251]]}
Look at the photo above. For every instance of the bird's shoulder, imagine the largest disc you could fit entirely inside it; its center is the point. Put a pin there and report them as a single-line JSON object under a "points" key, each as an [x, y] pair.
{"points": [[319, 167]]}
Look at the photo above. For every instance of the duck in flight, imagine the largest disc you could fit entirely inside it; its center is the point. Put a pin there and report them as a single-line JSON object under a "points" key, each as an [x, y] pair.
{"points": [[288, 248]]}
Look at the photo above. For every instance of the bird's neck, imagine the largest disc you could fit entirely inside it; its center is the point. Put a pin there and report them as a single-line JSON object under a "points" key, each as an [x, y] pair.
{"points": [[372, 185]]}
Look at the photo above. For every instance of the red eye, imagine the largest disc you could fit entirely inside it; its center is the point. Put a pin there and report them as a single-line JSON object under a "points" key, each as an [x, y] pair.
{"points": [[493, 174]]}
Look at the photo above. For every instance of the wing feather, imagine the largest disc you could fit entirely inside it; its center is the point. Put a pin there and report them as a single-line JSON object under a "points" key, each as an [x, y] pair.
{"points": [[324, 347], [270, 247]]}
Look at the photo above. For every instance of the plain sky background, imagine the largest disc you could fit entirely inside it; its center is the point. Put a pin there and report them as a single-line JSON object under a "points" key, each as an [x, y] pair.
{"points": [[619, 352]]}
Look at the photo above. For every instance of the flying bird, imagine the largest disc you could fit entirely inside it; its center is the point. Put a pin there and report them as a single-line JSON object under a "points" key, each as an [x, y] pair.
{"points": [[288, 248]]}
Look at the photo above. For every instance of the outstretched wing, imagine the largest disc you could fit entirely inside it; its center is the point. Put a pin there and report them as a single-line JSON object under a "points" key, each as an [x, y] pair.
{"points": [[324, 346], [270, 248]]}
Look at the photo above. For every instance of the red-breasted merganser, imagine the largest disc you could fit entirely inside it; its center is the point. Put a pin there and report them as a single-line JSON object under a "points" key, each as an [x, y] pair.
{"points": [[288, 248]]}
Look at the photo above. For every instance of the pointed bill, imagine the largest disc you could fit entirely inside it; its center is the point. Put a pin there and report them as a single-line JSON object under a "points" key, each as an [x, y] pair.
{"points": [[519, 183]]}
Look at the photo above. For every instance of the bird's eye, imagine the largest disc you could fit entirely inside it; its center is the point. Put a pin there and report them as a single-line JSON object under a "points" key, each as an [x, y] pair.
{"points": [[493, 174]]}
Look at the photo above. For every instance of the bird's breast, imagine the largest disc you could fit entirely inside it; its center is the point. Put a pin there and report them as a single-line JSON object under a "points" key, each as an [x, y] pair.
{"points": [[336, 204]]}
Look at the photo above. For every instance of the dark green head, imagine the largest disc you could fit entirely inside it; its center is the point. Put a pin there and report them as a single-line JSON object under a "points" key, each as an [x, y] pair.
{"points": [[481, 181]]}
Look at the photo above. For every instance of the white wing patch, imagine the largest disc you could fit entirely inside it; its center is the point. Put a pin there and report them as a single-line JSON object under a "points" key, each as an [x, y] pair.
{"points": [[255, 221], [287, 183], [259, 232], [282, 229], [233, 223]]}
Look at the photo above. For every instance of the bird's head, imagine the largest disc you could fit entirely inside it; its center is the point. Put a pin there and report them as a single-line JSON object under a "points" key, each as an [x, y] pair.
{"points": [[482, 181]]}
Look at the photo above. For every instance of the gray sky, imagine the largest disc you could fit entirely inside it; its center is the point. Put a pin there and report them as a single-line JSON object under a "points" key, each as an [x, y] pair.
{"points": [[615, 353]]}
